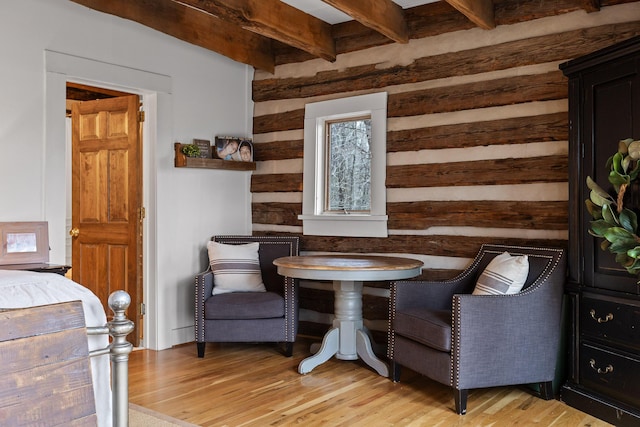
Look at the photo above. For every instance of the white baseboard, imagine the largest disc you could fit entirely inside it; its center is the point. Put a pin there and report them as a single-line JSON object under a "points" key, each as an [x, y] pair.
{"points": [[183, 335]]}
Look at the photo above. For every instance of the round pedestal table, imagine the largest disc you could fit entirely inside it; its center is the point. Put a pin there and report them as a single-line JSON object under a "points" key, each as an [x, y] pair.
{"points": [[348, 339]]}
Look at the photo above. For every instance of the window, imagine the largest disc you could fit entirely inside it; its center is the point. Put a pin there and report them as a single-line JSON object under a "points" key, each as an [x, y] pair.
{"points": [[345, 167], [348, 166]]}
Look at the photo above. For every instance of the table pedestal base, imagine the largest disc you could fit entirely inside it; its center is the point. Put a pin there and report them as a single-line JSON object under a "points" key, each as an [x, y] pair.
{"points": [[348, 338]]}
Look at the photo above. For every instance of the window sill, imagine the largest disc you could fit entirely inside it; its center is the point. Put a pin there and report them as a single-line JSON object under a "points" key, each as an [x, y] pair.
{"points": [[347, 225]]}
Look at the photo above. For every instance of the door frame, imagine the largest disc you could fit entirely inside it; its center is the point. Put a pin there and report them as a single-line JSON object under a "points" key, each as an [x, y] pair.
{"points": [[155, 92]]}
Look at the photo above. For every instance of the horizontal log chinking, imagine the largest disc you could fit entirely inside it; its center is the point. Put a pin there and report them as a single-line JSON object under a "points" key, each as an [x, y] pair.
{"points": [[476, 144]]}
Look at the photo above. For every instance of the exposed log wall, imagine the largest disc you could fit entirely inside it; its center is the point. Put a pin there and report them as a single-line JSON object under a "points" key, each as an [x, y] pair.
{"points": [[477, 134]]}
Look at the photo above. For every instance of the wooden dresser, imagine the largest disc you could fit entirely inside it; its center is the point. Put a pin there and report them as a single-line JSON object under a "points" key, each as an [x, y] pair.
{"points": [[603, 376]]}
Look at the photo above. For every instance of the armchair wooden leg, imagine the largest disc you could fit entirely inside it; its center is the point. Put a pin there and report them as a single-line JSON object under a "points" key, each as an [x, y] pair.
{"points": [[546, 390], [395, 371], [461, 401], [201, 346], [288, 349]]}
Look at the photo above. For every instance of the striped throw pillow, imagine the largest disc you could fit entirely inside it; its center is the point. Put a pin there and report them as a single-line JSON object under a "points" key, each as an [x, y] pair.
{"points": [[236, 268], [504, 275]]}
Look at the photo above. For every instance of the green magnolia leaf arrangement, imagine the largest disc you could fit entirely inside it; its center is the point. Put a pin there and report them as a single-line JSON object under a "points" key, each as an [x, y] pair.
{"points": [[615, 224]]}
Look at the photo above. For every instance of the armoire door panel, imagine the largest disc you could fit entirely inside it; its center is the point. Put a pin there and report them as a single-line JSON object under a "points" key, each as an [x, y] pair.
{"points": [[609, 98]]}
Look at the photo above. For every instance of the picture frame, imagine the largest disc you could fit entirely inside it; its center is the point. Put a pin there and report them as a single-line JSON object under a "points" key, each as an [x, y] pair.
{"points": [[226, 147], [245, 150], [234, 148], [24, 242], [205, 148]]}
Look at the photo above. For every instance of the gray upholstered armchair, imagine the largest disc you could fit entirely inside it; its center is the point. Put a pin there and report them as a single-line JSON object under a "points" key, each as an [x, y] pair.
{"points": [[440, 330], [270, 316]]}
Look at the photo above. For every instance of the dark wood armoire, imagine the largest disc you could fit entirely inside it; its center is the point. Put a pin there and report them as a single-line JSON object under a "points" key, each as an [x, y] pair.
{"points": [[603, 340]]}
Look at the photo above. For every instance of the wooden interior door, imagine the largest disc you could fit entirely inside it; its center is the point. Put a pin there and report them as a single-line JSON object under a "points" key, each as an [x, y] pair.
{"points": [[106, 200]]}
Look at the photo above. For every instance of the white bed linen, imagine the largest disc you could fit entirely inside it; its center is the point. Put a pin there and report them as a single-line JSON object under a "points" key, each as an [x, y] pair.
{"points": [[19, 289]]}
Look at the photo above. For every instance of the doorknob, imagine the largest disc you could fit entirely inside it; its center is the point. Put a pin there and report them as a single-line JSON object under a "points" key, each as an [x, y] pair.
{"points": [[74, 232]]}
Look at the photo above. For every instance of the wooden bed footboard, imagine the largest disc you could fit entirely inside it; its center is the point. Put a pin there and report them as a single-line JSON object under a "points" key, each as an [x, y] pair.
{"points": [[119, 348], [46, 375]]}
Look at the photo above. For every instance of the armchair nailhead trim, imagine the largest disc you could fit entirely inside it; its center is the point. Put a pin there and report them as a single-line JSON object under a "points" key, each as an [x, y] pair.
{"points": [[199, 310], [391, 333], [455, 338]]}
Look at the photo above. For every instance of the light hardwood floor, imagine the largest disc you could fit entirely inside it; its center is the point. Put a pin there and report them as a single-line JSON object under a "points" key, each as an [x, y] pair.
{"points": [[255, 385]]}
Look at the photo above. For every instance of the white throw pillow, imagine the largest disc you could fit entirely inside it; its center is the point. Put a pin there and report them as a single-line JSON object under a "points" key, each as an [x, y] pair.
{"points": [[504, 275], [236, 268]]}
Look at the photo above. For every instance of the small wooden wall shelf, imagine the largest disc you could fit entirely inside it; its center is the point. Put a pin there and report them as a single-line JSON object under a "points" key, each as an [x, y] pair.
{"points": [[182, 161]]}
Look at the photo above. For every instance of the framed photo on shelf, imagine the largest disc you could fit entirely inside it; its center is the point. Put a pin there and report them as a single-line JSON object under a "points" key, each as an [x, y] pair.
{"points": [[234, 148], [245, 150], [205, 147]]}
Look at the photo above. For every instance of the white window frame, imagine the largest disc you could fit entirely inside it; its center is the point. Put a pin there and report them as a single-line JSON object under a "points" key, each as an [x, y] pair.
{"points": [[317, 222]]}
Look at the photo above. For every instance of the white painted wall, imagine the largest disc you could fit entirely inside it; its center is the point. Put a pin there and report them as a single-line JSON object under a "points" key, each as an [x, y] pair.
{"points": [[189, 92]]}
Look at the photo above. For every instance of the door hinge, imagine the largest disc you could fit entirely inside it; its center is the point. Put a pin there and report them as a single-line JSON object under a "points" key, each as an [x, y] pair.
{"points": [[143, 309], [143, 213], [141, 116]]}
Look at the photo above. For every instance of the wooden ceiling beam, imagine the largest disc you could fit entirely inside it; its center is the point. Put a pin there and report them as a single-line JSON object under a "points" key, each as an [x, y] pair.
{"points": [[276, 20], [383, 16], [192, 26], [480, 12]]}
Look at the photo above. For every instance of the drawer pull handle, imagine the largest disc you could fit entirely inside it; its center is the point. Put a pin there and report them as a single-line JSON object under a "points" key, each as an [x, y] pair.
{"points": [[607, 318], [606, 370]]}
